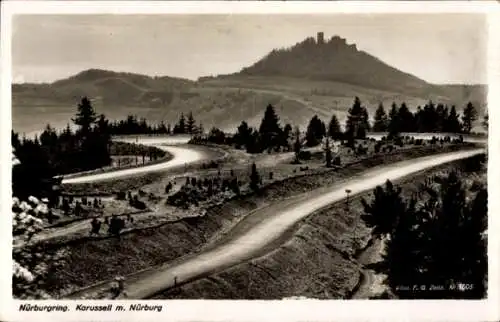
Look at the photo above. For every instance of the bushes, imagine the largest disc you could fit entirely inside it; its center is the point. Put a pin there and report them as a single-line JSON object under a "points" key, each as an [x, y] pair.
{"points": [[136, 203], [437, 241], [398, 141], [361, 150], [305, 155], [474, 164], [210, 165], [121, 195]]}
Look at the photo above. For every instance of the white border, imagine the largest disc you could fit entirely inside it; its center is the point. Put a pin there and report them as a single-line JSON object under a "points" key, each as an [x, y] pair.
{"points": [[486, 310]]}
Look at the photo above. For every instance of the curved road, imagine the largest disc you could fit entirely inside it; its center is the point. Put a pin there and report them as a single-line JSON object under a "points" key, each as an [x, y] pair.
{"points": [[250, 237], [181, 156]]}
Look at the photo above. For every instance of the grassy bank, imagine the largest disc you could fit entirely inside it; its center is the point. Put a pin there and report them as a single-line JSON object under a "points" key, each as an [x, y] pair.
{"points": [[91, 261]]}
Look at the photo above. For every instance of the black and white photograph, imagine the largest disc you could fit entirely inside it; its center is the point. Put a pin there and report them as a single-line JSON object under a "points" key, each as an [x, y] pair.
{"points": [[220, 156]]}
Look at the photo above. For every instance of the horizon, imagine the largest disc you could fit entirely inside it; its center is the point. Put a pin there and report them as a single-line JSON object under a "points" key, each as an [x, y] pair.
{"points": [[195, 46]]}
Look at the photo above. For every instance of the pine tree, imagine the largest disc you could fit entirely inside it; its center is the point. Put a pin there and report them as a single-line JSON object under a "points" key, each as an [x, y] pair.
{"points": [[386, 206], [452, 123], [254, 178], [190, 124], [468, 118], [357, 122], [366, 124], [403, 256], [380, 120], [394, 122], [103, 141], [315, 131], [440, 243], [269, 129], [406, 119], [242, 136], [180, 127], [85, 116], [334, 130], [48, 137]]}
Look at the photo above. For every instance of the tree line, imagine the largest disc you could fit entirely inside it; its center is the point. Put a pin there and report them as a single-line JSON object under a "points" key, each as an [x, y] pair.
{"points": [[133, 125], [430, 118], [52, 153], [436, 247], [271, 135]]}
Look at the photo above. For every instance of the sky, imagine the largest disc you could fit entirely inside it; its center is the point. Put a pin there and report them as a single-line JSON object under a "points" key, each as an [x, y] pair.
{"points": [[439, 48]]}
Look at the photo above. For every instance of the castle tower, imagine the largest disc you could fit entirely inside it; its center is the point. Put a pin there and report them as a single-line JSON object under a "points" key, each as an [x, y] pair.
{"points": [[321, 38]]}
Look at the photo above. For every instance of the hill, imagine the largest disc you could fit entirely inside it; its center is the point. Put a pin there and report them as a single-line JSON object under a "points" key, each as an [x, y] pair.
{"points": [[312, 77]]}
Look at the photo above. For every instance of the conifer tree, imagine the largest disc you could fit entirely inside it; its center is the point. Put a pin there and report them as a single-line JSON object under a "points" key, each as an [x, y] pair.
{"points": [[380, 119], [366, 124], [394, 127], [405, 118], [452, 123], [334, 130], [469, 117], [85, 116], [242, 136], [386, 206], [315, 131], [354, 118], [180, 127], [190, 124], [269, 129]]}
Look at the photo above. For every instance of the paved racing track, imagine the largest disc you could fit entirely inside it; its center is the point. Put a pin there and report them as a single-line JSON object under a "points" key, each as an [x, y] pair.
{"points": [[180, 157], [264, 228], [183, 155]]}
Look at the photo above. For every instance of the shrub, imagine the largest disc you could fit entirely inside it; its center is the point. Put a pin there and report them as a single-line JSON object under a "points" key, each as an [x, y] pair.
{"points": [[305, 155], [361, 150], [398, 141], [136, 203]]}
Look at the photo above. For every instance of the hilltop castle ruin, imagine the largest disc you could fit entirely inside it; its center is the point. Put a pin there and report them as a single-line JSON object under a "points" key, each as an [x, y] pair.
{"points": [[336, 41]]}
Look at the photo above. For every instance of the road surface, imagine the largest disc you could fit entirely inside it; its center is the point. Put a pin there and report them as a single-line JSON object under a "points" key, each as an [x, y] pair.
{"points": [[183, 155], [180, 157], [261, 230]]}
